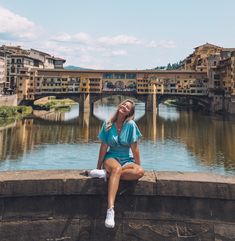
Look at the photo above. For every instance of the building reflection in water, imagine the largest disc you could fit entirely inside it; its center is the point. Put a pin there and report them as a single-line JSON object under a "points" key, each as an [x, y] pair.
{"points": [[209, 138]]}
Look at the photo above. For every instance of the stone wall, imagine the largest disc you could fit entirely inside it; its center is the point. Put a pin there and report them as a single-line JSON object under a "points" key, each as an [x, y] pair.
{"points": [[162, 206], [8, 100], [232, 107]]}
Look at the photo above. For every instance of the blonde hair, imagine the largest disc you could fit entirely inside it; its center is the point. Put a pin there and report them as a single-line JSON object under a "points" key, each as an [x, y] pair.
{"points": [[129, 117]]}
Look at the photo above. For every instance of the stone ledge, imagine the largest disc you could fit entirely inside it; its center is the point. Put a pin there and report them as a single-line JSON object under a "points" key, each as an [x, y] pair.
{"points": [[66, 182]]}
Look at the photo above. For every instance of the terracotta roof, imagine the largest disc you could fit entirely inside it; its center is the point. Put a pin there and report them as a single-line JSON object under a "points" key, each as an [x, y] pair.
{"points": [[40, 52], [121, 71], [207, 45]]}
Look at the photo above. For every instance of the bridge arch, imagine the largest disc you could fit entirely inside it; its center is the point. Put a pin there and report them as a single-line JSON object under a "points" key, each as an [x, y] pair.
{"points": [[201, 101], [86, 101]]}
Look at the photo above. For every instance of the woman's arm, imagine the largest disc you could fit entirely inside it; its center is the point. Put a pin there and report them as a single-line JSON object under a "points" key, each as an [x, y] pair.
{"points": [[136, 153], [102, 152]]}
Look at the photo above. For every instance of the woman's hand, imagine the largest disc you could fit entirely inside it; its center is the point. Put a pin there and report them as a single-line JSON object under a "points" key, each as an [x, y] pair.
{"points": [[102, 152], [136, 153]]}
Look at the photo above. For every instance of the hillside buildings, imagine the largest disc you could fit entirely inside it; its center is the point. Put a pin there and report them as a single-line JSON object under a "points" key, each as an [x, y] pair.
{"points": [[219, 64], [16, 59]]}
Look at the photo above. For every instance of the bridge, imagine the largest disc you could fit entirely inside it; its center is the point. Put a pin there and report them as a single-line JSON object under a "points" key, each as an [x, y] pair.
{"points": [[152, 101], [88, 86]]}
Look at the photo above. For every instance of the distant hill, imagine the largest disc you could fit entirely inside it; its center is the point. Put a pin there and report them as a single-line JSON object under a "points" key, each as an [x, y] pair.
{"points": [[71, 67]]}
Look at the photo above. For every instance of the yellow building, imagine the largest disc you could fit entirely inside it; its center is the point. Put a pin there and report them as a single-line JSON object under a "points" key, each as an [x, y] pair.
{"points": [[198, 60], [40, 81]]}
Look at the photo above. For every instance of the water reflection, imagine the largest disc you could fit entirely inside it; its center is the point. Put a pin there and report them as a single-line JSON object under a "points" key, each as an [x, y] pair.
{"points": [[172, 140], [168, 113]]}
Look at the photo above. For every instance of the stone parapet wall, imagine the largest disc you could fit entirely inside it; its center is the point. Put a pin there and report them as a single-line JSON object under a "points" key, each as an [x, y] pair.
{"points": [[162, 206]]}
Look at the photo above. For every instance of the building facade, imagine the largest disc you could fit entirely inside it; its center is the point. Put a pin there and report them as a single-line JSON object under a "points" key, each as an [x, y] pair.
{"points": [[198, 60], [49, 82], [2, 73], [18, 59]]}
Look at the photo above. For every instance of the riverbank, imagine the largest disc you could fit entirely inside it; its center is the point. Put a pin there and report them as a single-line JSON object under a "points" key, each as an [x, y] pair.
{"points": [[178, 103], [51, 103], [9, 114]]}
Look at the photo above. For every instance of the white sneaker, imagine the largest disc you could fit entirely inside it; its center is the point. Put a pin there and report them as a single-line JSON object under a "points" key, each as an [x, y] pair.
{"points": [[109, 221], [99, 173]]}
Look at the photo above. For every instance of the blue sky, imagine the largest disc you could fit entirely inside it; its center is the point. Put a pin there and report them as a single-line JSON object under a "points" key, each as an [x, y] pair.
{"points": [[117, 34]]}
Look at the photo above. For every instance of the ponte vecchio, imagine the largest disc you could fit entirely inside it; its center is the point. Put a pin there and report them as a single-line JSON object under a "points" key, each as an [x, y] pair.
{"points": [[88, 86]]}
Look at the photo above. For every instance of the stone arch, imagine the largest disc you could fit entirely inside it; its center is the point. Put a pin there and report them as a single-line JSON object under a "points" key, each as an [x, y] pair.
{"points": [[96, 97], [201, 101]]}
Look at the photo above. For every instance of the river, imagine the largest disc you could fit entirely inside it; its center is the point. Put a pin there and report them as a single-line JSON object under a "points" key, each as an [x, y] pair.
{"points": [[173, 140]]}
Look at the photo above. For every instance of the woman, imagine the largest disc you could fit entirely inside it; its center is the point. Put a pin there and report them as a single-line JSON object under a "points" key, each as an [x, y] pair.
{"points": [[119, 152]]}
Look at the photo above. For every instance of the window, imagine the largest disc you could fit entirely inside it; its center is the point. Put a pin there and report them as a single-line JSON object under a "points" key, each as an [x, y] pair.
{"points": [[131, 76], [119, 76], [108, 76]]}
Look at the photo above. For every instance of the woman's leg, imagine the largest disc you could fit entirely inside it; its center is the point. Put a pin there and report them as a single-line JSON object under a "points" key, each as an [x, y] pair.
{"points": [[132, 172], [114, 169]]}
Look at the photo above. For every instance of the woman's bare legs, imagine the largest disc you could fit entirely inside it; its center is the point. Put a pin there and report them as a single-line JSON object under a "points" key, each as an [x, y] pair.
{"points": [[114, 170], [132, 172], [117, 172], [129, 172]]}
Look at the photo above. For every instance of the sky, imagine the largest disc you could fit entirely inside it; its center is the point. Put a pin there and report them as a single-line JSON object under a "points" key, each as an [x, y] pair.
{"points": [[117, 34]]}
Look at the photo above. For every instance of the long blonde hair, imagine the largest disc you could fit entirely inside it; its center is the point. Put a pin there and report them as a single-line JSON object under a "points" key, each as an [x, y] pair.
{"points": [[129, 117]]}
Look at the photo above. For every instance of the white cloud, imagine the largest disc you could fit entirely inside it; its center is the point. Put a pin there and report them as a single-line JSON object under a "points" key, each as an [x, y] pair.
{"points": [[119, 53], [161, 44], [62, 37], [119, 40], [81, 37], [17, 26], [114, 53]]}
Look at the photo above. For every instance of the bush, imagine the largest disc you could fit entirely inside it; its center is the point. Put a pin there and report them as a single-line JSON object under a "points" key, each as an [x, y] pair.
{"points": [[16, 112]]}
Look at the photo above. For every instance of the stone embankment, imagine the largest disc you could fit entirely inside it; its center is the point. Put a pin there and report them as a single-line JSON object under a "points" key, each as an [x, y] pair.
{"points": [[162, 206], [8, 100]]}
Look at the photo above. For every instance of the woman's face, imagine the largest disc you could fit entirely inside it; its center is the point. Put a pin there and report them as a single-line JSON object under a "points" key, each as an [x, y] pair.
{"points": [[125, 108]]}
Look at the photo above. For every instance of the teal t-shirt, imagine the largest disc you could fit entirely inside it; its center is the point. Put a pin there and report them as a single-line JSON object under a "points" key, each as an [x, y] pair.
{"points": [[119, 145]]}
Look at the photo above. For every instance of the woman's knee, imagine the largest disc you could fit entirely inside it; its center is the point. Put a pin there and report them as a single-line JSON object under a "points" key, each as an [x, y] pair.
{"points": [[140, 172], [116, 170]]}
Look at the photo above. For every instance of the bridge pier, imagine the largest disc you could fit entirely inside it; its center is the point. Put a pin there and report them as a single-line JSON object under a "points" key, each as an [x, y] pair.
{"points": [[151, 118], [85, 104], [151, 103]]}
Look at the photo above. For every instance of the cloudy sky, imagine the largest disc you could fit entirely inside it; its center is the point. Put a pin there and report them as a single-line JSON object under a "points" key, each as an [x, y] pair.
{"points": [[117, 34]]}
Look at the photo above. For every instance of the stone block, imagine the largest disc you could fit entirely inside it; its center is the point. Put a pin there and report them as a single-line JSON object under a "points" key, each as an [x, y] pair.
{"points": [[136, 230], [79, 206], [40, 230], [86, 229], [30, 188], [223, 210], [85, 186], [28, 208], [178, 208], [102, 233], [1, 208], [224, 232], [201, 185]]}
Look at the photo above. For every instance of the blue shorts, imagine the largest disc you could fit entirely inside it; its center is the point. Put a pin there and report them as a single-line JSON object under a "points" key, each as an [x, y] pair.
{"points": [[122, 161]]}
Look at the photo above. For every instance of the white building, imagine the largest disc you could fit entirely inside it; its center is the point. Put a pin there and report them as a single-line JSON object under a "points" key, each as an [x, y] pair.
{"points": [[2, 73]]}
